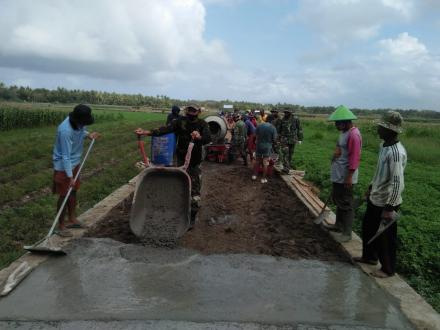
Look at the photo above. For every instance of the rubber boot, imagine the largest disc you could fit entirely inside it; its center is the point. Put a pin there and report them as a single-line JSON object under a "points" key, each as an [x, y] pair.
{"points": [[337, 226], [345, 221], [192, 221]]}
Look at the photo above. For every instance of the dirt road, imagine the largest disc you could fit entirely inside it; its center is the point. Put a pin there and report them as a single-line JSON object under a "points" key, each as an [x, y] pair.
{"points": [[242, 216]]}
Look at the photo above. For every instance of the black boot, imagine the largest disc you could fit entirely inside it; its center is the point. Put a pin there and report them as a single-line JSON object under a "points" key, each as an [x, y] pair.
{"points": [[192, 221]]}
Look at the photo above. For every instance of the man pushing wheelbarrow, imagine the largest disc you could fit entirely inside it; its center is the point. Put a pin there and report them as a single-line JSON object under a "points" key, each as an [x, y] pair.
{"points": [[188, 128]]}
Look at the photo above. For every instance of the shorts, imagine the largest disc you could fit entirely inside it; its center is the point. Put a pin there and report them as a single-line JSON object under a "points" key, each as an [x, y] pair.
{"points": [[263, 152], [61, 182]]}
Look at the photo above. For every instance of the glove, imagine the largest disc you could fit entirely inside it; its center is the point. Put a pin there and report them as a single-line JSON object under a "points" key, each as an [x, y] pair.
{"points": [[300, 142]]}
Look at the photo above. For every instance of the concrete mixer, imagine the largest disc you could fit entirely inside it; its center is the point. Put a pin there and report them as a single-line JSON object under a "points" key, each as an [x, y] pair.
{"points": [[218, 150]]}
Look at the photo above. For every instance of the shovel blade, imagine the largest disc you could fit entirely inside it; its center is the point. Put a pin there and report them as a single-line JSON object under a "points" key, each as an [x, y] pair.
{"points": [[45, 248], [381, 229], [320, 217]]}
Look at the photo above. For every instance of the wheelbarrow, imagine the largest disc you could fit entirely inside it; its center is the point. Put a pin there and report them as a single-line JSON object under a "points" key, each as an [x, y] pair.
{"points": [[161, 209]]}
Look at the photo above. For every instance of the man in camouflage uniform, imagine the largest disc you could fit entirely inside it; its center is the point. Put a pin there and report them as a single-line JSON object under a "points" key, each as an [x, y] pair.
{"points": [[275, 121], [290, 133], [238, 141], [188, 128]]}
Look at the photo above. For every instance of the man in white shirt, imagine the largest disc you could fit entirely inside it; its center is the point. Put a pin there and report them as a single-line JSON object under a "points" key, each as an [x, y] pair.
{"points": [[384, 198]]}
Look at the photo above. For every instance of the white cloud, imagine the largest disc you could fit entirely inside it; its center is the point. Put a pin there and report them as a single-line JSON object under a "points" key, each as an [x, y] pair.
{"points": [[405, 47], [341, 21], [159, 47], [126, 39], [405, 7]]}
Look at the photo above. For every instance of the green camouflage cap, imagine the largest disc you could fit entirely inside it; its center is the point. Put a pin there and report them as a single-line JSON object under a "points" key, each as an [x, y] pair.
{"points": [[342, 113], [392, 120]]}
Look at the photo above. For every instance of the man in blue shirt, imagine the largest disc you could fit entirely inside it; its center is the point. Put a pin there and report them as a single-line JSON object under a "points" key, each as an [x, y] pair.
{"points": [[266, 136], [66, 159]]}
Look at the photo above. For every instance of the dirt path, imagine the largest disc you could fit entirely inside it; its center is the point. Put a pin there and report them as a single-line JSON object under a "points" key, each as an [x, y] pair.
{"points": [[242, 216]]}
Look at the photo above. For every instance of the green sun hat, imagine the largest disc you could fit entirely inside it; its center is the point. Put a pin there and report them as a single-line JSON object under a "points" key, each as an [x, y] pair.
{"points": [[342, 113]]}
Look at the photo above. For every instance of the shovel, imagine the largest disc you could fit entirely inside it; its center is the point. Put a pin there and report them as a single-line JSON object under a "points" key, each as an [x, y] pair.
{"points": [[320, 218], [384, 225], [45, 246]]}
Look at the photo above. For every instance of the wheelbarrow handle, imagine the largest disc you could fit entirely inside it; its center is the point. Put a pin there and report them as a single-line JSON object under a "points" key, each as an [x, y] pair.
{"points": [[188, 155], [142, 150]]}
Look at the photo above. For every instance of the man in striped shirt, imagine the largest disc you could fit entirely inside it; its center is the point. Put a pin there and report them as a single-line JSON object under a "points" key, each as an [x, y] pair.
{"points": [[384, 198]]}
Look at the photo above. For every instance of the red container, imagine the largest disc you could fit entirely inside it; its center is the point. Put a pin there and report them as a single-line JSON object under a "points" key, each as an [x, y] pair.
{"points": [[217, 152]]}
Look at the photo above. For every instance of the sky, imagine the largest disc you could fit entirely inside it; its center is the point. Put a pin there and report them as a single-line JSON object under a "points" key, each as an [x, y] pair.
{"points": [[361, 53]]}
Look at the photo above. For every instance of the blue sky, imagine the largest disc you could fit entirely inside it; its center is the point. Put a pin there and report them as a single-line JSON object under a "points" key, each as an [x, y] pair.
{"points": [[362, 53]]}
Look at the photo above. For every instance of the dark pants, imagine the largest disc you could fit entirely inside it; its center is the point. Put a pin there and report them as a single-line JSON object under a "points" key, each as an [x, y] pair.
{"points": [[384, 247], [343, 199], [238, 149], [195, 173], [287, 151]]}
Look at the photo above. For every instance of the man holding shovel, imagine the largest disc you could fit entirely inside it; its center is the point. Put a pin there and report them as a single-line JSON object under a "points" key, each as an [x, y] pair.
{"points": [[384, 198], [188, 128], [344, 171], [67, 153]]}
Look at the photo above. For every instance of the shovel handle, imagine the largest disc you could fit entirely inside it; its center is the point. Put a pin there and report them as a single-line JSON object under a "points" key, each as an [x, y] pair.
{"points": [[70, 190]]}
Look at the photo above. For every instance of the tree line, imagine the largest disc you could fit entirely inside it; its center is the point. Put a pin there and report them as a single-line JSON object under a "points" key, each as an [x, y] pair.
{"points": [[63, 95]]}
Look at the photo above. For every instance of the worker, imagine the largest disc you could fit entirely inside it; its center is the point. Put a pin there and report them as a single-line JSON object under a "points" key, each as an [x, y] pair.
{"points": [[188, 128], [344, 171], [250, 141], [384, 198], [266, 136], [290, 133], [262, 118], [238, 141], [66, 158], [275, 117], [175, 110]]}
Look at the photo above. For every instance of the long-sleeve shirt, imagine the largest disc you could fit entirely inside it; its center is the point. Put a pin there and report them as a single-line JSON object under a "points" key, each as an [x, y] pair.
{"points": [[289, 129], [183, 127], [354, 148], [250, 127], [388, 182], [68, 147], [171, 117]]}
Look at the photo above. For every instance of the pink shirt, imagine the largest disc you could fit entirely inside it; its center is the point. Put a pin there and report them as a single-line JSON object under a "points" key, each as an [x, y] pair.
{"points": [[354, 148]]}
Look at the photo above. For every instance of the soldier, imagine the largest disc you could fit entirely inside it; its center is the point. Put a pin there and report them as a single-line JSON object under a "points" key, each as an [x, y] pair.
{"points": [[187, 128], [238, 141], [275, 117], [290, 133]]}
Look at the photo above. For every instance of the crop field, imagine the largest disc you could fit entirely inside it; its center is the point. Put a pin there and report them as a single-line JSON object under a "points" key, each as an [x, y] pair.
{"points": [[419, 225], [27, 206]]}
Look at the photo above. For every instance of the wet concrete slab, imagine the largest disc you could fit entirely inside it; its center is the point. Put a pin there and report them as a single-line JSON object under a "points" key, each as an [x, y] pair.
{"points": [[102, 281]]}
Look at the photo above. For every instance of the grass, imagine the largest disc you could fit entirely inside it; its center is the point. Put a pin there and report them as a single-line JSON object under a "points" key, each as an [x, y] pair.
{"points": [[27, 207], [419, 225]]}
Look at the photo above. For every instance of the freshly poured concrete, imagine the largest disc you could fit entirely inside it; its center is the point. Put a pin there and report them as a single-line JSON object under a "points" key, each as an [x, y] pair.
{"points": [[102, 280]]}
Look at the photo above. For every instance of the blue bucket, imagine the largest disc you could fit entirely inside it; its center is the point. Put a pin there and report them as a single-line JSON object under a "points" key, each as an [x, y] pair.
{"points": [[162, 149]]}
